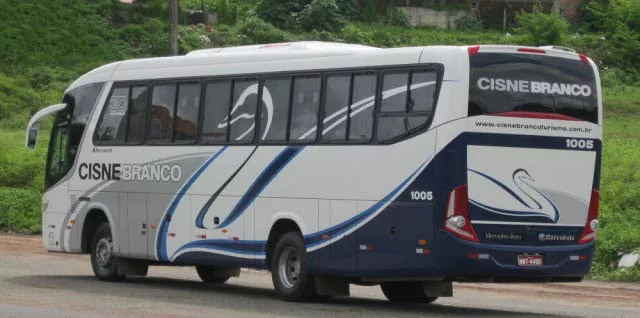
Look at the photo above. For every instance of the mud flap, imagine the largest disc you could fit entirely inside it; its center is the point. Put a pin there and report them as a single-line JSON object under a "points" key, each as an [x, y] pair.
{"points": [[438, 289], [133, 267], [332, 286]]}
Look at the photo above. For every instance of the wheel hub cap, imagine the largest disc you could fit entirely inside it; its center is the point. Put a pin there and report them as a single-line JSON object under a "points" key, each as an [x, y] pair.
{"points": [[289, 267], [103, 252]]}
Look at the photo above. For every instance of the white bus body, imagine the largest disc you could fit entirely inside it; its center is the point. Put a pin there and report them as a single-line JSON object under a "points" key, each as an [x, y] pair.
{"points": [[332, 164]]}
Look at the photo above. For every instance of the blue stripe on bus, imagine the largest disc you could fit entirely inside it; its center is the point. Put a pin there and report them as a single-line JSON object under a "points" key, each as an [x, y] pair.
{"points": [[315, 239], [238, 247], [161, 246], [267, 175]]}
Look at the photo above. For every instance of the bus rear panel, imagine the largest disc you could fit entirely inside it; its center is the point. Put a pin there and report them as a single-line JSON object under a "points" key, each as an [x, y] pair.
{"points": [[519, 181]]}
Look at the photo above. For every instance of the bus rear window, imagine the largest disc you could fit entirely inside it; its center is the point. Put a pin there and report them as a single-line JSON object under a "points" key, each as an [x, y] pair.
{"points": [[505, 82]]}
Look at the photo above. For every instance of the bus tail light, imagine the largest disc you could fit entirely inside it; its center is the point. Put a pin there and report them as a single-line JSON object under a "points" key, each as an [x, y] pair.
{"points": [[457, 218], [473, 50], [531, 50], [591, 227], [584, 58]]}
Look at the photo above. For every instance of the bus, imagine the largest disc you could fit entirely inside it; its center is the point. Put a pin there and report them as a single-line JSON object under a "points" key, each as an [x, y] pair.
{"points": [[331, 164]]}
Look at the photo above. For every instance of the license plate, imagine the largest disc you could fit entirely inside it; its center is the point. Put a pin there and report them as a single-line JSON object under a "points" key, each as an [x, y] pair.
{"points": [[529, 260]]}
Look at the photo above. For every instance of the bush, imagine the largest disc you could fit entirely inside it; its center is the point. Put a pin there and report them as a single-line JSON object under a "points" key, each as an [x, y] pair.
{"points": [[280, 12], [468, 24], [257, 31], [222, 35], [20, 210], [538, 28], [320, 15], [382, 12], [192, 38], [227, 11], [353, 34], [620, 21], [17, 101], [63, 33]]}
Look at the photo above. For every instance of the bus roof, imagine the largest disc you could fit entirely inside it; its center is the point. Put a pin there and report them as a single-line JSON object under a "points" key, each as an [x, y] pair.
{"points": [[273, 57], [280, 57]]}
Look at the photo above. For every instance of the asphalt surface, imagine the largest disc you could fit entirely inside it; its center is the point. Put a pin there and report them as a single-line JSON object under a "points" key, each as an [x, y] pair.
{"points": [[34, 283]]}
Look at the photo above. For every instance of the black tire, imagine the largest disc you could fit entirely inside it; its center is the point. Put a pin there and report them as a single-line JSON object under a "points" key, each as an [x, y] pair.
{"points": [[103, 262], [406, 292], [292, 285], [208, 275]]}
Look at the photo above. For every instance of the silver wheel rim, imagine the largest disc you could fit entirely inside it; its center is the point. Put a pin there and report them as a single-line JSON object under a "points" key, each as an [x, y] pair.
{"points": [[289, 267], [103, 252]]}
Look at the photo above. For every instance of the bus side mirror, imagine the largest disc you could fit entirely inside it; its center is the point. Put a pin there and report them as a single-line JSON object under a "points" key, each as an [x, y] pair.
{"points": [[34, 123], [32, 136]]}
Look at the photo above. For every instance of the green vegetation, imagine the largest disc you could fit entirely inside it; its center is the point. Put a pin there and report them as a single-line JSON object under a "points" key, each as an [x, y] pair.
{"points": [[44, 45]]}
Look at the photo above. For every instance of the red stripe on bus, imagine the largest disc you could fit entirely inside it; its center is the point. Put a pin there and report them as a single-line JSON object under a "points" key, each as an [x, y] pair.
{"points": [[536, 115]]}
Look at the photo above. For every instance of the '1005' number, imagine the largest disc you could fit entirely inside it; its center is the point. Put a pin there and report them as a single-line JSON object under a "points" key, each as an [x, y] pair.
{"points": [[579, 143]]}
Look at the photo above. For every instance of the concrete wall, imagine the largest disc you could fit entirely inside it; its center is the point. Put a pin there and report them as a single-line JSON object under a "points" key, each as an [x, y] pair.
{"points": [[426, 16]]}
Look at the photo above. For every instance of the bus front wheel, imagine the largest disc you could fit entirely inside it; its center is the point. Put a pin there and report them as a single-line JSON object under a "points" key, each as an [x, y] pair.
{"points": [[406, 292], [103, 262], [289, 273]]}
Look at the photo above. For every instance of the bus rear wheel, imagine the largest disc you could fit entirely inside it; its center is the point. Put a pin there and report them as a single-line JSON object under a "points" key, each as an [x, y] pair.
{"points": [[406, 292], [289, 273], [103, 262], [210, 275]]}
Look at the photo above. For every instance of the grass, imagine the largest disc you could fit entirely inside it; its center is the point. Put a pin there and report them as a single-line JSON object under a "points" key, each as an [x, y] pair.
{"points": [[619, 196], [42, 53]]}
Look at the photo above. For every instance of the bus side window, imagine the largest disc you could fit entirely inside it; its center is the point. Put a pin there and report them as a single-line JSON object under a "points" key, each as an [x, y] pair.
{"points": [[112, 127], [161, 115], [304, 109], [408, 99], [275, 103], [336, 103], [363, 100], [243, 110], [216, 111], [187, 111], [137, 114]]}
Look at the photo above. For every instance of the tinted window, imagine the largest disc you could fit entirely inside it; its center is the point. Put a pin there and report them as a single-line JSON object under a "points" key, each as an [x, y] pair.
{"points": [[216, 111], [336, 104], [161, 114], [59, 161], [361, 119], [275, 105], [113, 126], [188, 109], [391, 127], [502, 82], [243, 111], [84, 101], [394, 92], [137, 114], [304, 111], [408, 101], [423, 91]]}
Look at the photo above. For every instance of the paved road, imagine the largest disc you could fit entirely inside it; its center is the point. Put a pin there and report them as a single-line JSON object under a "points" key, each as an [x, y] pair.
{"points": [[38, 284]]}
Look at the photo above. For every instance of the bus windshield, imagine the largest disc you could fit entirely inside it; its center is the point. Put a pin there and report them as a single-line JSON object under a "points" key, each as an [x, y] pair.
{"points": [[508, 82]]}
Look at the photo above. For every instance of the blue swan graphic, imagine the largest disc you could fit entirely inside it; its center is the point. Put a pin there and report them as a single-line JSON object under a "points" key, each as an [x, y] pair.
{"points": [[532, 201]]}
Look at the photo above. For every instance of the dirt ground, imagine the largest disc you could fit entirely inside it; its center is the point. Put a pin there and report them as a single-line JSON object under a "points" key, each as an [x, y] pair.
{"points": [[28, 273]]}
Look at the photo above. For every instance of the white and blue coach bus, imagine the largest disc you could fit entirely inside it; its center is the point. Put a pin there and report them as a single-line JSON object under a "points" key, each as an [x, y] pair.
{"points": [[331, 164]]}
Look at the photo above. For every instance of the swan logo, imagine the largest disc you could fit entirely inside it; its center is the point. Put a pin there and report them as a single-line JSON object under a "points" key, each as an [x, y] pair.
{"points": [[242, 111], [237, 113], [523, 199]]}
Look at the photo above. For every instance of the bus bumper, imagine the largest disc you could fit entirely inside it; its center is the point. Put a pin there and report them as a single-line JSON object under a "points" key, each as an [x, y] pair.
{"points": [[469, 261]]}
